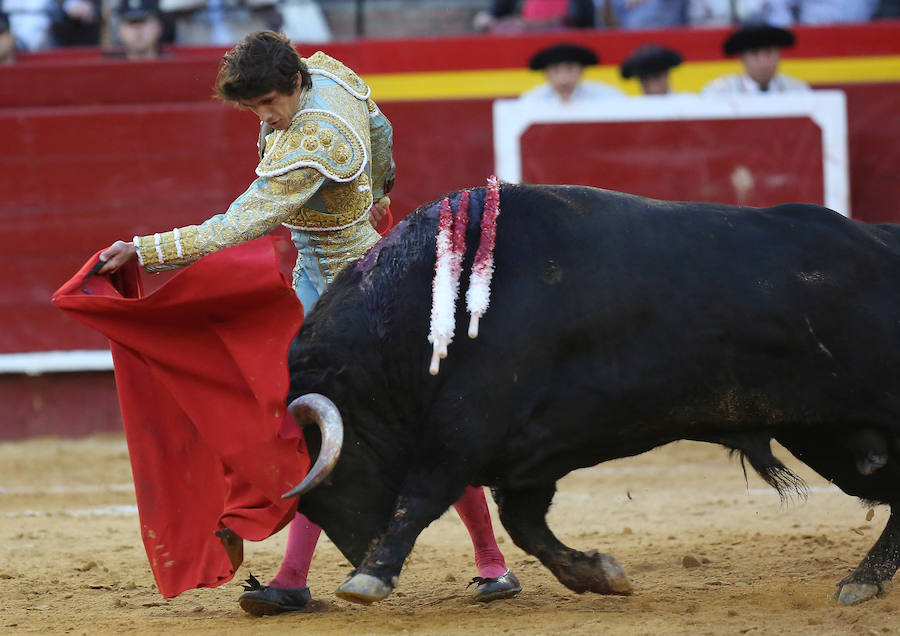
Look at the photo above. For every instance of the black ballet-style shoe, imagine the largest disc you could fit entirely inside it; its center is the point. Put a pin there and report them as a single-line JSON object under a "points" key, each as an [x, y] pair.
{"points": [[492, 589], [265, 600]]}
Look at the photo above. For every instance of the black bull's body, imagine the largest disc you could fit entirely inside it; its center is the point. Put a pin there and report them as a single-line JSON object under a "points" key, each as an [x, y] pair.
{"points": [[617, 324]]}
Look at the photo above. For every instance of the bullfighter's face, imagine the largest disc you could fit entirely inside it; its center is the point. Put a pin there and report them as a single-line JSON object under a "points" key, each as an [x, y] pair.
{"points": [[274, 108]]}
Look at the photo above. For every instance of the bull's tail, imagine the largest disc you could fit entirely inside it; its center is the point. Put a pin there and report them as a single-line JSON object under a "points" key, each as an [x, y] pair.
{"points": [[755, 448], [785, 481]]}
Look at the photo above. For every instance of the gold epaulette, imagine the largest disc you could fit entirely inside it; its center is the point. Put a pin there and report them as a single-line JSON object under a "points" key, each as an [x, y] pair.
{"points": [[319, 62], [316, 139]]}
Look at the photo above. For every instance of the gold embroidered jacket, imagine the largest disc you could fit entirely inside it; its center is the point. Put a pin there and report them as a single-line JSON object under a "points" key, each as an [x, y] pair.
{"points": [[318, 175]]}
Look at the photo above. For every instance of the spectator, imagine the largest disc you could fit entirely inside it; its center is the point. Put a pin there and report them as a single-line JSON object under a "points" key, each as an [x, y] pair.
{"points": [[888, 9], [759, 47], [725, 12], [304, 21], [787, 12], [220, 22], [564, 65], [140, 29], [7, 41], [647, 14], [779, 12], [78, 23], [29, 21], [535, 14], [651, 64]]}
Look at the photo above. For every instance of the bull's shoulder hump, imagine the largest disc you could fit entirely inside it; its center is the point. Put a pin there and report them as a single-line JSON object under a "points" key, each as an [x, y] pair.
{"points": [[567, 195]]}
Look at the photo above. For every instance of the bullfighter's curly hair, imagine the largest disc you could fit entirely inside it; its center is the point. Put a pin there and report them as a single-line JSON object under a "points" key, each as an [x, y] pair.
{"points": [[262, 62]]}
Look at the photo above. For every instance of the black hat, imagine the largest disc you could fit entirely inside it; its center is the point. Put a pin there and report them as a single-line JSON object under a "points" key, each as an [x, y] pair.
{"points": [[757, 36], [134, 10], [4, 22], [562, 52], [649, 60]]}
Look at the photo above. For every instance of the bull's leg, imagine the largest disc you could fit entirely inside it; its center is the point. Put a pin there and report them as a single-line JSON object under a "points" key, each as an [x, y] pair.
{"points": [[873, 576], [378, 574], [829, 454], [523, 514]]}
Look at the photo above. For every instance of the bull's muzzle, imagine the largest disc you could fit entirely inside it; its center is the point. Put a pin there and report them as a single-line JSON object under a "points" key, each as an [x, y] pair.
{"points": [[314, 408]]}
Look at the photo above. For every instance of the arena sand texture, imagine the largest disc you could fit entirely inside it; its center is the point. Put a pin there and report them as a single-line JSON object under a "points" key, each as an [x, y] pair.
{"points": [[71, 560]]}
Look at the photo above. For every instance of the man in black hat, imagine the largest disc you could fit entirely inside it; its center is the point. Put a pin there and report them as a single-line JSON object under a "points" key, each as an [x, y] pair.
{"points": [[759, 47], [651, 65], [564, 64], [140, 29], [7, 41]]}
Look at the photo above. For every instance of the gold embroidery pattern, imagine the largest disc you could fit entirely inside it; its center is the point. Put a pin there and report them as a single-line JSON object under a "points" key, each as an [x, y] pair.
{"points": [[267, 203], [325, 137], [320, 60], [301, 146], [349, 202], [312, 144], [317, 145], [341, 153], [168, 247], [352, 198], [335, 250]]}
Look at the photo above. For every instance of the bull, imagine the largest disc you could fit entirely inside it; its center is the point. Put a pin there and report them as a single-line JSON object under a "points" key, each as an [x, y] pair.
{"points": [[617, 324]]}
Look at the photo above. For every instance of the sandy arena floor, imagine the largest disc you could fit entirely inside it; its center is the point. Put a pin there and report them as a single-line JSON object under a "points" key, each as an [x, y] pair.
{"points": [[71, 559]]}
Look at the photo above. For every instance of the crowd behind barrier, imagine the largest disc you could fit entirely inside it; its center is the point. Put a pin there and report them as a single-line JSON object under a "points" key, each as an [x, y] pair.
{"points": [[36, 25]]}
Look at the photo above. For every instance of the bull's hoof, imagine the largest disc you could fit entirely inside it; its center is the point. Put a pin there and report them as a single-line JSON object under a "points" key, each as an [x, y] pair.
{"points": [[363, 588], [614, 580], [595, 572], [504, 586], [853, 593]]}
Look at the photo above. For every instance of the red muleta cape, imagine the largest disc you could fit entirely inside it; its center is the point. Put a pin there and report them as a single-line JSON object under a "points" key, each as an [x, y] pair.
{"points": [[201, 372]]}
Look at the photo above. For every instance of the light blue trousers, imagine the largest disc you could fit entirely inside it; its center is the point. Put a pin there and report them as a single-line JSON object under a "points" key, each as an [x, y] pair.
{"points": [[305, 289]]}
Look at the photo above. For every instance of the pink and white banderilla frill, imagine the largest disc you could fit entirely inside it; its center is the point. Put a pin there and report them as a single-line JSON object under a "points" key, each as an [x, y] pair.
{"points": [[451, 248]]}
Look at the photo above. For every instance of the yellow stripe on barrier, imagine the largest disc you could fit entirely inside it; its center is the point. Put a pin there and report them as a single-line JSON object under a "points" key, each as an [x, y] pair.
{"points": [[690, 77]]}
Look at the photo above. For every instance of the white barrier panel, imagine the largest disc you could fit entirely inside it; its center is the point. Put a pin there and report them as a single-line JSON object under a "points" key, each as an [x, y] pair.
{"points": [[38, 362], [827, 109]]}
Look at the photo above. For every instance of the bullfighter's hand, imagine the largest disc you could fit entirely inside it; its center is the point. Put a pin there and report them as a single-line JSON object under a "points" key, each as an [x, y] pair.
{"points": [[378, 210], [117, 255]]}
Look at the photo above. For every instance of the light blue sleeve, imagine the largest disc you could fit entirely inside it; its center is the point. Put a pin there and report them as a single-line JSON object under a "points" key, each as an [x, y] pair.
{"points": [[382, 136]]}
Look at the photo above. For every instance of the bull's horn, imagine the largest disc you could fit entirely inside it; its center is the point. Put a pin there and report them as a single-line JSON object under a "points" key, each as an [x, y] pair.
{"points": [[307, 409]]}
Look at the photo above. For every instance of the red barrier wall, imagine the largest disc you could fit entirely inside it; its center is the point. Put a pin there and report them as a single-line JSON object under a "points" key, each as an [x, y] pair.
{"points": [[61, 404], [95, 150]]}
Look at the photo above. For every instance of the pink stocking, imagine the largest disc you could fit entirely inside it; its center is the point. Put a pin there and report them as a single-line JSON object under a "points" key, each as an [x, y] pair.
{"points": [[472, 509], [298, 554]]}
